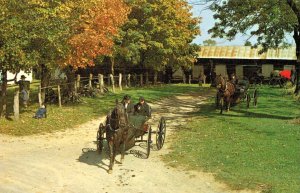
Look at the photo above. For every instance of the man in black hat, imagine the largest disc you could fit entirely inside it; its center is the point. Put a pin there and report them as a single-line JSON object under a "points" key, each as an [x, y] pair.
{"points": [[142, 108], [129, 108], [24, 89]]}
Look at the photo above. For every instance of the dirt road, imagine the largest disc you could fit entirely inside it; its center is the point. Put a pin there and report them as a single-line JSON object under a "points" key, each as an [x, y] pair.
{"points": [[66, 162]]}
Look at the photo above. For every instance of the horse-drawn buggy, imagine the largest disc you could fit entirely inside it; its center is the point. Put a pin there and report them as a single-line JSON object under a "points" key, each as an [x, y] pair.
{"points": [[232, 92], [122, 131]]}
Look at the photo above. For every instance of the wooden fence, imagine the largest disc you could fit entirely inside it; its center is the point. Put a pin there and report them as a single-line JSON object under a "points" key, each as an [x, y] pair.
{"points": [[101, 82]]}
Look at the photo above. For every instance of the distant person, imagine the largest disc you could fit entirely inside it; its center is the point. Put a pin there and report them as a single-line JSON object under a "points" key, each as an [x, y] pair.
{"points": [[24, 89], [41, 112]]}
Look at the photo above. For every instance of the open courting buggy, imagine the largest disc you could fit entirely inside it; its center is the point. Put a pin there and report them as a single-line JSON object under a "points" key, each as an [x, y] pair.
{"points": [[122, 131]]}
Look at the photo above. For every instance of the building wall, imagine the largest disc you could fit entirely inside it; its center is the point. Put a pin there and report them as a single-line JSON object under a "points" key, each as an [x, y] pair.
{"points": [[288, 67], [239, 72], [178, 73], [197, 69], [221, 69], [12, 76], [267, 69]]}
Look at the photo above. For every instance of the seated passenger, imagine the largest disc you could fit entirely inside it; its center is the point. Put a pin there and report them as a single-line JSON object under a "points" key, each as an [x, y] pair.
{"points": [[129, 108], [142, 108]]}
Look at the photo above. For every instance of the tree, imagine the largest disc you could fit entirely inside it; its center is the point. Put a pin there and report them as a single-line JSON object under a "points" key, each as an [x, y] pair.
{"points": [[269, 20], [248, 43], [209, 42], [158, 34], [94, 32]]}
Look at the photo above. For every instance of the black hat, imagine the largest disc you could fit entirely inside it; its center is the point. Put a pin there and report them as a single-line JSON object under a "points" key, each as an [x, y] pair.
{"points": [[22, 76], [126, 97], [141, 98]]}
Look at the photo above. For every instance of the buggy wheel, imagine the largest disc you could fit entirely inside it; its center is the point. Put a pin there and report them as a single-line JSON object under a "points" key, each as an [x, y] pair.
{"points": [[161, 133], [149, 141], [100, 138], [272, 82]]}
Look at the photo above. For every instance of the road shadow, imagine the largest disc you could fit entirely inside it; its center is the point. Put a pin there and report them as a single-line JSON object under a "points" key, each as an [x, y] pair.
{"points": [[91, 156]]}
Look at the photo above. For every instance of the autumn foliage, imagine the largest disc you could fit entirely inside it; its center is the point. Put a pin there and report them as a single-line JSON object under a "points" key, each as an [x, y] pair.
{"points": [[94, 33]]}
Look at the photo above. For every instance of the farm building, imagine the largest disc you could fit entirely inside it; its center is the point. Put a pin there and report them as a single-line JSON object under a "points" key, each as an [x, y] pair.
{"points": [[244, 61], [11, 76]]}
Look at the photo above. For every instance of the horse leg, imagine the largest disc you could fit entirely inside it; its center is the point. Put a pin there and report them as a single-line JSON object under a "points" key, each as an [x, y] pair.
{"points": [[122, 152], [222, 105], [123, 145], [112, 155], [228, 103]]}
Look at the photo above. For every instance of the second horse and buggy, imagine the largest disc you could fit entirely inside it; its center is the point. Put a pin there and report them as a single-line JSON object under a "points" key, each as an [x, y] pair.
{"points": [[232, 92], [122, 131]]}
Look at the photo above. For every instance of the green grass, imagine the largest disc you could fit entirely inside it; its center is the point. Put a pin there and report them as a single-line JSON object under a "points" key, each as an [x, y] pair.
{"points": [[71, 115], [257, 148]]}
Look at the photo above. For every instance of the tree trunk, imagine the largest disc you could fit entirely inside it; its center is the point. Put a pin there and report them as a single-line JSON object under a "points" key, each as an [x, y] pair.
{"points": [[70, 73], [112, 62], [297, 40], [3, 110], [155, 77], [45, 79]]}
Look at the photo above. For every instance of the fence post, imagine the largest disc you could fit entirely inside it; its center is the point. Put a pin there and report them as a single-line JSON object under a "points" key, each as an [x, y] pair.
{"points": [[190, 79], [112, 82], [40, 96], [90, 80], [59, 96], [16, 104], [141, 79], [120, 81], [128, 80], [101, 83]]}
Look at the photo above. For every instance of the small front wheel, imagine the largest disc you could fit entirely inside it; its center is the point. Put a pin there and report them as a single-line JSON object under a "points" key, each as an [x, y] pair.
{"points": [[161, 133], [149, 141]]}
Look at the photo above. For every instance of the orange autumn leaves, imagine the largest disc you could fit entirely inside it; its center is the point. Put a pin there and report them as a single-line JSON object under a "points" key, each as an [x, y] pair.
{"points": [[94, 34]]}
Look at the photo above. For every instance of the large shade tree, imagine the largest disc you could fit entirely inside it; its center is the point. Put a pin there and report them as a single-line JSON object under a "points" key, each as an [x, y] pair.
{"points": [[158, 34], [49, 34], [269, 20]]}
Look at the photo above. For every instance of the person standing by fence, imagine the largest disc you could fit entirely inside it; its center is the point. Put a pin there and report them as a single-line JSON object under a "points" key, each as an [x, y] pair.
{"points": [[24, 90]]}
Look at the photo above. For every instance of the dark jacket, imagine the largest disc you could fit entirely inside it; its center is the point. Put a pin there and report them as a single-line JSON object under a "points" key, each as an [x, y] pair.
{"points": [[129, 109], [144, 109]]}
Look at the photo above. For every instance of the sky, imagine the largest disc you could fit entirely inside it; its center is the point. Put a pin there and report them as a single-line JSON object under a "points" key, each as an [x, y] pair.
{"points": [[208, 22]]}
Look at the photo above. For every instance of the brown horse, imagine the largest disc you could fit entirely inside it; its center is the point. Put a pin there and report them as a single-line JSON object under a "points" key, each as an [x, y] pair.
{"points": [[116, 133], [226, 91]]}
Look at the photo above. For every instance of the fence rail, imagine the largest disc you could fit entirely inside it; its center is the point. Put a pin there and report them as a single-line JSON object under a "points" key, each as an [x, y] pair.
{"points": [[100, 82]]}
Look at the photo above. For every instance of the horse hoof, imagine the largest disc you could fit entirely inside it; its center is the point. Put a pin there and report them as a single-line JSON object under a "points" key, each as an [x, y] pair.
{"points": [[110, 171], [122, 160]]}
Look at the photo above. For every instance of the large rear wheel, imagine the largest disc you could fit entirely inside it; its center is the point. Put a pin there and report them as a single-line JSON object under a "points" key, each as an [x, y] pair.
{"points": [[161, 133], [149, 141]]}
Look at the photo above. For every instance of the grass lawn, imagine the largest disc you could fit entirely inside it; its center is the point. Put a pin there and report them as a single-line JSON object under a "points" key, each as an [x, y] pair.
{"points": [[71, 115], [258, 148]]}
